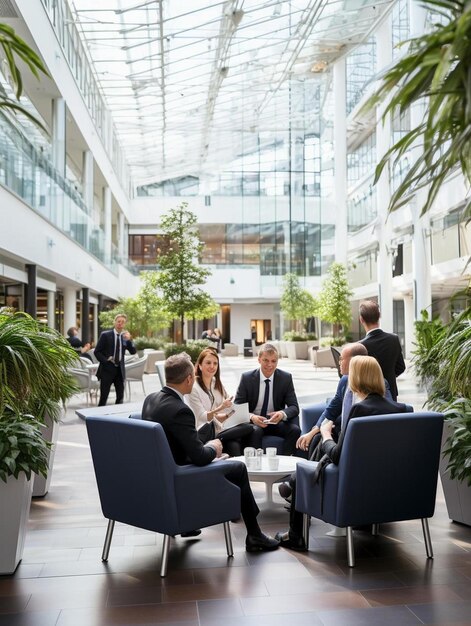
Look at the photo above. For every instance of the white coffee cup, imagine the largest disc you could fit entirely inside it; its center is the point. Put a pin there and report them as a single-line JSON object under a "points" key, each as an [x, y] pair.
{"points": [[271, 451], [273, 463]]}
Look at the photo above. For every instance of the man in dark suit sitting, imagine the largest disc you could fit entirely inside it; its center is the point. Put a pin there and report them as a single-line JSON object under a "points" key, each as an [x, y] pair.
{"points": [[109, 352], [178, 421], [272, 400], [385, 347]]}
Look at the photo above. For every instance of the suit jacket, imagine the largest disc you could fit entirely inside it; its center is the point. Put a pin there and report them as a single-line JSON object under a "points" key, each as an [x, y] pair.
{"points": [[373, 404], [178, 421], [386, 349], [284, 396], [105, 348], [333, 410]]}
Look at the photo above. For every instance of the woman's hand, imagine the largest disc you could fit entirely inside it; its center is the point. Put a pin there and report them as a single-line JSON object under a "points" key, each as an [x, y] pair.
{"points": [[226, 404]]}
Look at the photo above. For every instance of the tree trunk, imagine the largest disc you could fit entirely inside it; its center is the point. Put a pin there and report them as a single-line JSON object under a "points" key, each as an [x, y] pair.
{"points": [[182, 327]]}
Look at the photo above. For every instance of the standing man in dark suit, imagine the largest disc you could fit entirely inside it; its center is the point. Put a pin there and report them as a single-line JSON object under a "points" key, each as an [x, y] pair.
{"points": [[178, 421], [109, 351], [272, 400], [385, 347]]}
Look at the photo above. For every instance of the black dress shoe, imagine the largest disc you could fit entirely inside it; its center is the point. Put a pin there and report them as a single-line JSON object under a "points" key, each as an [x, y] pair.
{"points": [[292, 543], [260, 543], [285, 491], [191, 533]]}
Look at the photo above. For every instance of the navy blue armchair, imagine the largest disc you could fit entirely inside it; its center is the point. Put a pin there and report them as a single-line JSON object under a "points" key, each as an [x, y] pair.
{"points": [[140, 484], [387, 472]]}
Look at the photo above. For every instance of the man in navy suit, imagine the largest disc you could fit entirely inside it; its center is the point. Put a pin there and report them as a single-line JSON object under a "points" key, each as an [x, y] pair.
{"points": [[178, 421], [109, 351], [272, 400], [385, 347]]}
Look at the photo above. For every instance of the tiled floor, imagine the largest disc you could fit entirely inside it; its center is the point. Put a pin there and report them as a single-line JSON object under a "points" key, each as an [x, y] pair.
{"points": [[62, 581]]}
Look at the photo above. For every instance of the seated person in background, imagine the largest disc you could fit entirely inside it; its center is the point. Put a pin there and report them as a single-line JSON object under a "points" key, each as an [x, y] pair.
{"points": [[209, 400], [218, 335], [272, 400], [366, 381], [80, 348], [209, 335], [178, 421]]}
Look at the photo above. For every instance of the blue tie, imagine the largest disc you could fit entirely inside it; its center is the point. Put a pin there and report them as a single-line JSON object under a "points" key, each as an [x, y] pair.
{"points": [[263, 412]]}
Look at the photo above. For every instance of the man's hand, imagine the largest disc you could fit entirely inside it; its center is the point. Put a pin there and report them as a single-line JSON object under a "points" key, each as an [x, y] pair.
{"points": [[275, 417], [126, 335], [216, 444], [304, 441], [326, 429], [258, 420]]}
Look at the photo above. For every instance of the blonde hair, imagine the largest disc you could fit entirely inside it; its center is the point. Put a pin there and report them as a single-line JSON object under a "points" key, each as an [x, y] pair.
{"points": [[365, 376]]}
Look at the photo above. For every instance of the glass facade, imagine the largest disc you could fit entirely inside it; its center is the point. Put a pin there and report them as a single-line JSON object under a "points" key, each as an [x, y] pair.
{"points": [[25, 170]]}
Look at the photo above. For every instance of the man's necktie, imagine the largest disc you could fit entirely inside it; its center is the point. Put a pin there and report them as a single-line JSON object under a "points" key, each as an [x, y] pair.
{"points": [[346, 406], [116, 349], [263, 412]]}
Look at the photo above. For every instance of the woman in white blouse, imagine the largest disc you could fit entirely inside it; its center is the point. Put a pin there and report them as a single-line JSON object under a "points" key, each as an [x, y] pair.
{"points": [[209, 402]]}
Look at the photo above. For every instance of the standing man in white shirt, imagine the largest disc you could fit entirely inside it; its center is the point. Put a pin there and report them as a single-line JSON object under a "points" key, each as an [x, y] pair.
{"points": [[109, 351]]}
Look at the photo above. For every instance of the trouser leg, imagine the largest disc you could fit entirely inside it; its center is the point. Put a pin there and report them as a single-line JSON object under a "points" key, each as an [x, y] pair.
{"points": [[119, 386], [295, 517], [237, 475]]}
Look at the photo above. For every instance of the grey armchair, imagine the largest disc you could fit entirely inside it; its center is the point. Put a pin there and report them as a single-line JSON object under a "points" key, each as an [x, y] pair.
{"points": [[140, 484], [86, 381], [387, 472]]}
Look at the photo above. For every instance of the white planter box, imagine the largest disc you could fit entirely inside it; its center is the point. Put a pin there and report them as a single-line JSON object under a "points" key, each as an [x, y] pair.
{"points": [[297, 349], [457, 493], [50, 433], [282, 349], [15, 502]]}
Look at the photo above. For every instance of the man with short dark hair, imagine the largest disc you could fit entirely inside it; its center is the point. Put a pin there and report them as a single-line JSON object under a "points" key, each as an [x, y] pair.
{"points": [[272, 400], [110, 351], [77, 344], [178, 421], [385, 347]]}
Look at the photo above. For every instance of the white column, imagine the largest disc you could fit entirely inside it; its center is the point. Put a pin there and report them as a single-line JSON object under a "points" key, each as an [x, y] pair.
{"points": [[383, 192], [95, 323], [408, 325], [87, 179], [107, 222], [340, 161], [51, 309], [58, 134], [121, 235], [70, 307], [421, 256]]}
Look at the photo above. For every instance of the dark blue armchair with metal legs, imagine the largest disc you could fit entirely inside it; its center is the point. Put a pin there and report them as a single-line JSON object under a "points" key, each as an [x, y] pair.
{"points": [[140, 484], [387, 472]]}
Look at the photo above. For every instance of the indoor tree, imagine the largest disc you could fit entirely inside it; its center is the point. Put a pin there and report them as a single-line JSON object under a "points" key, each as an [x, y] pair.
{"points": [[334, 300], [296, 303], [180, 274]]}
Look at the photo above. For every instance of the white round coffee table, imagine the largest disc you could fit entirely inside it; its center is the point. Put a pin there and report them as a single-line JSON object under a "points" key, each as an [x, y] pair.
{"points": [[286, 467]]}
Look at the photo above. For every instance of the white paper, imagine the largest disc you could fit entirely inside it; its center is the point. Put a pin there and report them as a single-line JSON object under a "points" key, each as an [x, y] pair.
{"points": [[239, 414]]}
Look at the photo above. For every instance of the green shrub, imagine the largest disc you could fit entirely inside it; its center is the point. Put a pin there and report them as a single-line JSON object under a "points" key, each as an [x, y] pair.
{"points": [[293, 335], [333, 341], [192, 348], [22, 447], [154, 343]]}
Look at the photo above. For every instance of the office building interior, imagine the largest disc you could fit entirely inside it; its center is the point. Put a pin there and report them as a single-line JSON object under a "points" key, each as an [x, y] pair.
{"points": [[250, 111]]}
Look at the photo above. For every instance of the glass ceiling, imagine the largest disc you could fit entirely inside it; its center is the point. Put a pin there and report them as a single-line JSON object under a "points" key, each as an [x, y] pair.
{"points": [[185, 80]]}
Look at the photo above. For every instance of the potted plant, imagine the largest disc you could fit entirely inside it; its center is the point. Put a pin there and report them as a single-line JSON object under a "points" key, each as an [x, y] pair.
{"points": [[446, 368], [34, 384], [296, 345]]}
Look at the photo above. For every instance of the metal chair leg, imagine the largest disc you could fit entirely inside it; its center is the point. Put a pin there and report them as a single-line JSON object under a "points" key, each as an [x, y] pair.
{"points": [[228, 538], [350, 551], [427, 539], [375, 530], [143, 388], [108, 538], [306, 523], [164, 560]]}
